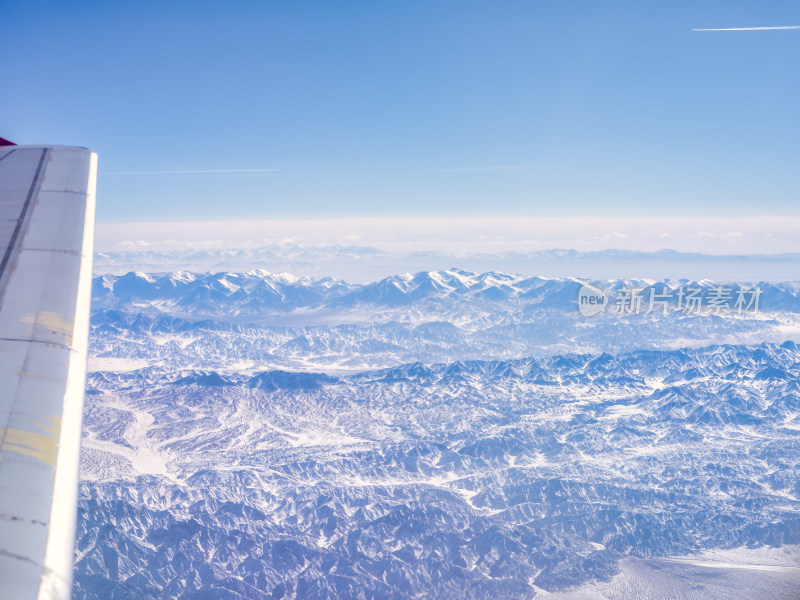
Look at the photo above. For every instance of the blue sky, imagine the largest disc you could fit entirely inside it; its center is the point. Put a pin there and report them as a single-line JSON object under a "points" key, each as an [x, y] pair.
{"points": [[413, 109]]}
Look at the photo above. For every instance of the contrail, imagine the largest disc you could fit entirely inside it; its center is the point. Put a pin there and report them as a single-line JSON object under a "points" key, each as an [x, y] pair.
{"points": [[752, 28], [188, 172], [489, 168]]}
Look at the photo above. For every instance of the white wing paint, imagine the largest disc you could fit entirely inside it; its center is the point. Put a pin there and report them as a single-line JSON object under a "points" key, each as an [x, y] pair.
{"points": [[47, 199]]}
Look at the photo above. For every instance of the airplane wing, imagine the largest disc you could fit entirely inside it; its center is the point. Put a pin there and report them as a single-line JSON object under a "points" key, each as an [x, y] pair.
{"points": [[47, 199]]}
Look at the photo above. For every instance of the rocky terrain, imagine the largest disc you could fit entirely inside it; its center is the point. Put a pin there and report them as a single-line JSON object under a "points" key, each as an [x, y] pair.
{"points": [[438, 435]]}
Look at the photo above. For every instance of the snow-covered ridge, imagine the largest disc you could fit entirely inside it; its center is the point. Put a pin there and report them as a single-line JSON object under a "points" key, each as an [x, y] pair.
{"points": [[257, 293], [649, 369], [257, 320]]}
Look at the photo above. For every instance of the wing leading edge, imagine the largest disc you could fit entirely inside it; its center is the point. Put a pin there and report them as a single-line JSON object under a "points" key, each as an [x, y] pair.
{"points": [[47, 200]]}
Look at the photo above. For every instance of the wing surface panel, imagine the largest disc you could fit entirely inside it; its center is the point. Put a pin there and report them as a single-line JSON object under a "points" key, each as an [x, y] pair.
{"points": [[47, 199]]}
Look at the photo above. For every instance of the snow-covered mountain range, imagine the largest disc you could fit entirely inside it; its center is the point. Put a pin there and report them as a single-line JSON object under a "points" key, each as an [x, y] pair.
{"points": [[364, 263], [259, 320], [436, 435]]}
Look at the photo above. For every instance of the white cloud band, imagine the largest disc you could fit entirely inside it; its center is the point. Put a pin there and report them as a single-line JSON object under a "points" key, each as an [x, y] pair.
{"points": [[723, 235]]}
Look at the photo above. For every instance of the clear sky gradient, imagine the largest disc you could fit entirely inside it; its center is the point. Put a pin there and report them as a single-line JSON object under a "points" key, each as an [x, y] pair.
{"points": [[413, 109]]}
